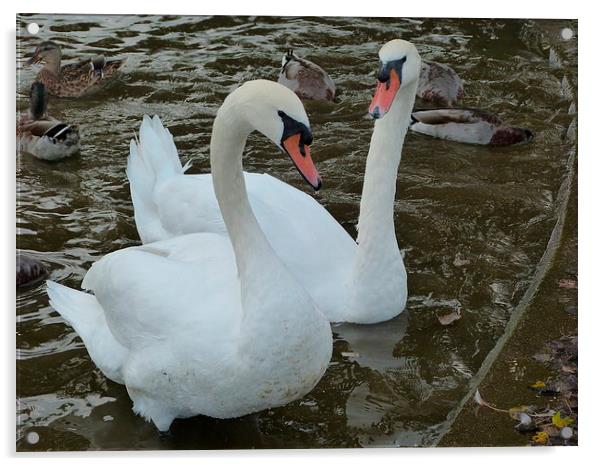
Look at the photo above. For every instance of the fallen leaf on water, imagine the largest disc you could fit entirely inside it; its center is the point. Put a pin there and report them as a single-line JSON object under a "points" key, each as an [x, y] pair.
{"points": [[540, 438], [447, 319], [567, 283], [517, 411], [537, 385], [560, 421], [544, 357], [570, 368]]}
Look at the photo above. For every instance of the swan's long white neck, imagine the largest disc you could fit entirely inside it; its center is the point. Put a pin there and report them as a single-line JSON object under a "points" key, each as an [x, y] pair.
{"points": [[228, 140], [273, 302], [378, 257]]}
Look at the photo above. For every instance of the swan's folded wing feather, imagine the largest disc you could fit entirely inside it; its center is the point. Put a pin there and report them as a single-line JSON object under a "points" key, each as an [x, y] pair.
{"points": [[189, 281], [187, 204], [315, 247]]}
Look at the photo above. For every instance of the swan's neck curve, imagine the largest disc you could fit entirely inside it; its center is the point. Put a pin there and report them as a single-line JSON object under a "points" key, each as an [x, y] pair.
{"points": [[228, 140], [378, 260], [273, 303]]}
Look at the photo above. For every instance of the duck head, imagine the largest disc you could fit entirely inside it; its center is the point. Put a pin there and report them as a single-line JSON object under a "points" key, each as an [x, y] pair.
{"points": [[398, 69], [46, 52]]}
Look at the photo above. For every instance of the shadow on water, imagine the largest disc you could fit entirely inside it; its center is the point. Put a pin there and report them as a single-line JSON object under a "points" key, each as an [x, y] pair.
{"points": [[472, 221]]}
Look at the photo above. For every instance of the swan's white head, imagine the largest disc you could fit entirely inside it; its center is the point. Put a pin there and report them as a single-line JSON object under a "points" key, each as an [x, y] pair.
{"points": [[399, 67], [276, 112]]}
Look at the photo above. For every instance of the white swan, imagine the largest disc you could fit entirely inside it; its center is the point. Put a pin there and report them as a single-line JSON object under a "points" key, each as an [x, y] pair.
{"points": [[198, 324], [363, 282]]}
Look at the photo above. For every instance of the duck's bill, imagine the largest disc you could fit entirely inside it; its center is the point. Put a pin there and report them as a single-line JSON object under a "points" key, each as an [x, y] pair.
{"points": [[384, 95], [300, 155], [32, 60]]}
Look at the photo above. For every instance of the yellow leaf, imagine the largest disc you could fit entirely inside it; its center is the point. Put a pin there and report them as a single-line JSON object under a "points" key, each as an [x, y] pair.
{"points": [[560, 421], [540, 438], [513, 412], [538, 384]]}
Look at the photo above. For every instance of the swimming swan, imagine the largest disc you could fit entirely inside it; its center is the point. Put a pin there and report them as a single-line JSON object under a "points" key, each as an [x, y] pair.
{"points": [[209, 323], [363, 282]]}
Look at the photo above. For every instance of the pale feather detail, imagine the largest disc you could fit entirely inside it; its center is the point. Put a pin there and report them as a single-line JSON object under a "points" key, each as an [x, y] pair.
{"points": [[45, 148]]}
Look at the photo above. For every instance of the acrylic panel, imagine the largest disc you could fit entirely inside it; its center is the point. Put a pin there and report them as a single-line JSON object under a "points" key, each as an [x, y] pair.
{"points": [[480, 210]]}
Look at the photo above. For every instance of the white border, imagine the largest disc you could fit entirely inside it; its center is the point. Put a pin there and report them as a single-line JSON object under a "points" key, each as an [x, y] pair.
{"points": [[590, 55]]}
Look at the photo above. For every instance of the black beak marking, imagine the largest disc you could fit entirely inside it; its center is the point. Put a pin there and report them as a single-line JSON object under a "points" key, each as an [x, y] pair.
{"points": [[292, 127], [384, 70]]}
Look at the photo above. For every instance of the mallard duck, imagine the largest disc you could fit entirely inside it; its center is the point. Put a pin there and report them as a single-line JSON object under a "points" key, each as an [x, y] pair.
{"points": [[41, 135], [306, 79], [73, 79], [29, 270], [468, 125], [439, 84]]}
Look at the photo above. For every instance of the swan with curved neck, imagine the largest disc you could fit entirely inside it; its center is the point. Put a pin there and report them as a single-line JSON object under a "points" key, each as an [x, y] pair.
{"points": [[363, 282], [379, 278], [206, 323]]}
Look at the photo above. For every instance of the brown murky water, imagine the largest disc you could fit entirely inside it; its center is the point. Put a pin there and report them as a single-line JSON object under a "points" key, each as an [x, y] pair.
{"points": [[473, 221]]}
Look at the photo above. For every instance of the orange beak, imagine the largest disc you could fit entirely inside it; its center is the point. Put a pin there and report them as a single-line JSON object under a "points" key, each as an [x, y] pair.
{"points": [[384, 95], [301, 157]]}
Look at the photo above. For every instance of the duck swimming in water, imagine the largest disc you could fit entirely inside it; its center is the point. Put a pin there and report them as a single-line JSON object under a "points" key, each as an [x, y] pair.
{"points": [[306, 79], [439, 84], [467, 125], [29, 270], [41, 135], [73, 79]]}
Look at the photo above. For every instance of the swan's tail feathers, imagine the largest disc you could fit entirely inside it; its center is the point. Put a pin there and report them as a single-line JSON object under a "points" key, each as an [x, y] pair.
{"points": [[154, 156], [80, 309], [152, 159], [83, 312], [158, 149]]}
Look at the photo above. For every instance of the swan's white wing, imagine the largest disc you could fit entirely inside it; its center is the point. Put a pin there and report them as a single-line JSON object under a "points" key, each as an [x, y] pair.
{"points": [[189, 282], [312, 244], [304, 234], [187, 204]]}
